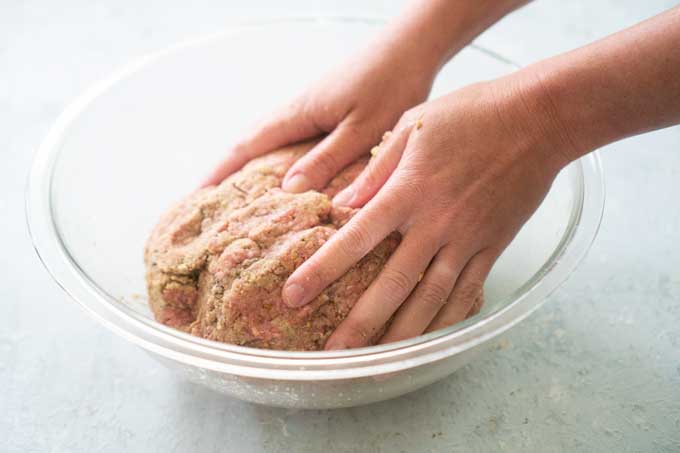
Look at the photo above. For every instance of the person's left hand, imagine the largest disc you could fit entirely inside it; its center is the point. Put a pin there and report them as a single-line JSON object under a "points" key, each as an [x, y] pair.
{"points": [[352, 106], [457, 178]]}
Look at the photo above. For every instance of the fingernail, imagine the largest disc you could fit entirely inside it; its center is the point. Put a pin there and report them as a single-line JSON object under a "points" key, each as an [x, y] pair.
{"points": [[293, 295], [344, 197], [335, 346], [297, 183]]}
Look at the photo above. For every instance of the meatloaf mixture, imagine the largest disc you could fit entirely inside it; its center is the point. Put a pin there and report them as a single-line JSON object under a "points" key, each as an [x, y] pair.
{"points": [[217, 261]]}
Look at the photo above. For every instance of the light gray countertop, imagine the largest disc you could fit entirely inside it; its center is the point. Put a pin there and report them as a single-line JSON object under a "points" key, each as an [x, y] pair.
{"points": [[596, 369]]}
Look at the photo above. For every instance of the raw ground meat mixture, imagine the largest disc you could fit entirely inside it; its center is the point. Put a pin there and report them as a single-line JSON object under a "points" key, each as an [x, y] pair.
{"points": [[217, 261]]}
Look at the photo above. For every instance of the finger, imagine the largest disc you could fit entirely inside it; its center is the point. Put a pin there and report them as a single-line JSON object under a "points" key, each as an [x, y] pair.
{"points": [[341, 147], [429, 297], [351, 243], [468, 294], [387, 292], [476, 307], [288, 125], [376, 173]]}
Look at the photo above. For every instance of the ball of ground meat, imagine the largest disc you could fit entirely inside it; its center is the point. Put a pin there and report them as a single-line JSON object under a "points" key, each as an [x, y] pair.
{"points": [[217, 261]]}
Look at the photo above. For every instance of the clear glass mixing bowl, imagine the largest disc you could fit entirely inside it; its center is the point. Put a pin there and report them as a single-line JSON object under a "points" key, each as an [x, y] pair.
{"points": [[127, 148]]}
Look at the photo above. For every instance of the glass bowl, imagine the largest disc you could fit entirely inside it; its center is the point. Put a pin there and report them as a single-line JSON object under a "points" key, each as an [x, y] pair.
{"points": [[121, 153]]}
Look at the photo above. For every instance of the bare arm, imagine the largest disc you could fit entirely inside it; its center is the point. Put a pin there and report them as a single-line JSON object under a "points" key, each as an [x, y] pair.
{"points": [[364, 97], [460, 183], [437, 29], [625, 84]]}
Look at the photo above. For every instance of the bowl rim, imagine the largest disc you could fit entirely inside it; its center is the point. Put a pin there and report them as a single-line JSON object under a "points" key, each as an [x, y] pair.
{"points": [[584, 223]]}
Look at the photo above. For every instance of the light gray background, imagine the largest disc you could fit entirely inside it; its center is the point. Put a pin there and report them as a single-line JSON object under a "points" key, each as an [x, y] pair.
{"points": [[596, 369]]}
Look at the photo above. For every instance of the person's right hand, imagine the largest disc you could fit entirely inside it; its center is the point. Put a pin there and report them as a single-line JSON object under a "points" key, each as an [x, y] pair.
{"points": [[353, 105]]}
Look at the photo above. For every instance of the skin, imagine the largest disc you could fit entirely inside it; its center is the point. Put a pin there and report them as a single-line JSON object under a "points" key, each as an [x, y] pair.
{"points": [[364, 97], [461, 174]]}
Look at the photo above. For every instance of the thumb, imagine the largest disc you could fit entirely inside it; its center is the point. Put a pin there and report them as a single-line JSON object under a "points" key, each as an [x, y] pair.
{"points": [[341, 147], [291, 124]]}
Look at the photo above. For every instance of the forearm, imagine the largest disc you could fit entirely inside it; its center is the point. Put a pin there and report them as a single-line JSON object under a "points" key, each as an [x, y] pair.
{"points": [[623, 85], [432, 31]]}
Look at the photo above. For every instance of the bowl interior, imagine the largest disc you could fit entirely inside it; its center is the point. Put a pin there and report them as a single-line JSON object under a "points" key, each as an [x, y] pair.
{"points": [[151, 135]]}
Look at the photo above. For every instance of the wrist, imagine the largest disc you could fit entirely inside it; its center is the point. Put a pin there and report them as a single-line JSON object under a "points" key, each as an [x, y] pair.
{"points": [[413, 58], [433, 31], [542, 116], [617, 87], [525, 114]]}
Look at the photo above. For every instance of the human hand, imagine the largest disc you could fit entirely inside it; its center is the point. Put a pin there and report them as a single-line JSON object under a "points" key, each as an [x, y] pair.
{"points": [[354, 104], [457, 178]]}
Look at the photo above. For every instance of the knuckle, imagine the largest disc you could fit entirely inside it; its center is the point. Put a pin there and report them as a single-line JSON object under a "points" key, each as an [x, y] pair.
{"points": [[354, 124], [441, 226], [356, 240], [469, 292], [324, 163], [410, 186], [434, 295], [358, 121], [373, 174], [358, 333], [396, 285], [447, 321]]}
